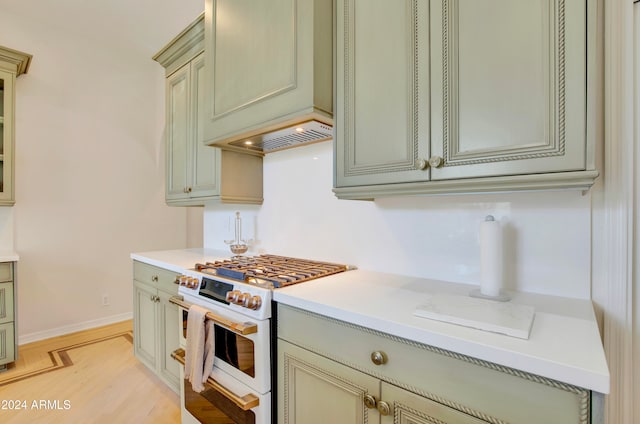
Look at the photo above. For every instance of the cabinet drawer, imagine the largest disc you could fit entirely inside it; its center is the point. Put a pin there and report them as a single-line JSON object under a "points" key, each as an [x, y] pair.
{"points": [[487, 391], [6, 271], [157, 277]]}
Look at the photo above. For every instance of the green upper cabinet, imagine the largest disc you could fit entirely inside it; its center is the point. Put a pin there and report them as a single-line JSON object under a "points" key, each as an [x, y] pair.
{"points": [[196, 173], [464, 96], [268, 65], [12, 64]]}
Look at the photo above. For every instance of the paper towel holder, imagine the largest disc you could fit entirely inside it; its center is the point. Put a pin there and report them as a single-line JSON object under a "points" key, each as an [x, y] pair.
{"points": [[502, 297]]}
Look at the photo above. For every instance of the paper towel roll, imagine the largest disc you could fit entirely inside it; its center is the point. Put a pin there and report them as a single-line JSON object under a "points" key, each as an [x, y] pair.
{"points": [[491, 255]]}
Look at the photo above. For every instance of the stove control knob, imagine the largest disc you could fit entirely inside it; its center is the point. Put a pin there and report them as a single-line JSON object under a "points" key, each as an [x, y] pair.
{"points": [[183, 280], [194, 283], [232, 296], [243, 299], [254, 303]]}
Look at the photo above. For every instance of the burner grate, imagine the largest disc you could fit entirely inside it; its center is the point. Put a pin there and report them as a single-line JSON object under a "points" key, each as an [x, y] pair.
{"points": [[276, 271]]}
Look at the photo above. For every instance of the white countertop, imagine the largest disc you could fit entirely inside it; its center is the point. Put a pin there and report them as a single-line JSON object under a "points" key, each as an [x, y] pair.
{"points": [[9, 256], [181, 259], [564, 343]]}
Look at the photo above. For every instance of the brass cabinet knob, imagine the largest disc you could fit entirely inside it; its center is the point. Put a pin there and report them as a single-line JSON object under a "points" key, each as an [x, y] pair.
{"points": [[369, 401], [154, 278], [378, 357], [188, 189], [436, 161], [422, 164], [384, 408]]}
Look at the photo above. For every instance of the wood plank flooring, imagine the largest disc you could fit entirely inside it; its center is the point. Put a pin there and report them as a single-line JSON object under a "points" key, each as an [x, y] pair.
{"points": [[85, 377]]}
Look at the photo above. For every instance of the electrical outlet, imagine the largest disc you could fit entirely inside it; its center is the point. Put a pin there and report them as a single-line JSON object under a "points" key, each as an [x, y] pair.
{"points": [[105, 300]]}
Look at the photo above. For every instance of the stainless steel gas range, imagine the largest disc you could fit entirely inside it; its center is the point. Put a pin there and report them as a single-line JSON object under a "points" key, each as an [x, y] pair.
{"points": [[237, 294]]}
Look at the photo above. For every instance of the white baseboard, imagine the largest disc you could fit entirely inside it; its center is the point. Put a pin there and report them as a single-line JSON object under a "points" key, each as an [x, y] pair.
{"points": [[86, 325]]}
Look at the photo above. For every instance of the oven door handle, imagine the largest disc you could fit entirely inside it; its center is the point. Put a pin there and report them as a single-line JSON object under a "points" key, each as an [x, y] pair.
{"points": [[243, 402], [242, 328]]}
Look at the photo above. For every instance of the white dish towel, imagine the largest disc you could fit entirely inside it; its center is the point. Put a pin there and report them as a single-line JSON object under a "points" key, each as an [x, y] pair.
{"points": [[200, 351]]}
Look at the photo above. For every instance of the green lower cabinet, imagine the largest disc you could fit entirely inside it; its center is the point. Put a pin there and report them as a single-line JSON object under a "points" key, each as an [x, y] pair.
{"points": [[8, 342], [317, 390], [156, 322], [337, 372]]}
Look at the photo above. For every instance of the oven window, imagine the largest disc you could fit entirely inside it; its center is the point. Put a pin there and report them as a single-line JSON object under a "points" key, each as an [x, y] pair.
{"points": [[235, 350], [209, 406], [185, 316]]}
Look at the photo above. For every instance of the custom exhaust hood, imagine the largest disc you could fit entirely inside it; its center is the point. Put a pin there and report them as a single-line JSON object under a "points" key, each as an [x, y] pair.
{"points": [[268, 74]]}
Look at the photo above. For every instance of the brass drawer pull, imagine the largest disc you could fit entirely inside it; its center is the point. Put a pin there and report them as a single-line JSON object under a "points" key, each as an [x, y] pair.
{"points": [[154, 278], [370, 401], [378, 357], [384, 408]]}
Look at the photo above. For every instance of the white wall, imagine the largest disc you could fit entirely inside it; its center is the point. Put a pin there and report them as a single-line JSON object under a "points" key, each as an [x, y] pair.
{"points": [[547, 234], [89, 155]]}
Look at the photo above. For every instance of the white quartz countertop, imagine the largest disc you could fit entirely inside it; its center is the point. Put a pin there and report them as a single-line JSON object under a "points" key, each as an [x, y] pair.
{"points": [[9, 256], [564, 343], [181, 259]]}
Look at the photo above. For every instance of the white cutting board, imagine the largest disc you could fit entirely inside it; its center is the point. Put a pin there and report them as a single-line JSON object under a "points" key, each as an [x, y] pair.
{"points": [[488, 315]]}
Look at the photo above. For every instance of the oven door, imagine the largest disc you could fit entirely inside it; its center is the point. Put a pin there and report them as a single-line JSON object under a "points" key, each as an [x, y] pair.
{"points": [[245, 357], [231, 403]]}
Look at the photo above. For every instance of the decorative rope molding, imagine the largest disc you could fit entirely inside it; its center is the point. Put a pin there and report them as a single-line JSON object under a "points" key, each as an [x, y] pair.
{"points": [[414, 105], [582, 394], [399, 408], [445, 81], [449, 74]]}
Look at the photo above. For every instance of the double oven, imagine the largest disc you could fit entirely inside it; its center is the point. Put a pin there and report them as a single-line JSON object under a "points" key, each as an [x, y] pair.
{"points": [[237, 294]]}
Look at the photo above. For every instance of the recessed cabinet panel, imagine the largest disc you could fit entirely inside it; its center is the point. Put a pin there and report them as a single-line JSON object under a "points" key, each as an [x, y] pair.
{"points": [[382, 119], [269, 64], [508, 92], [409, 408], [7, 81], [503, 78], [7, 343], [207, 159], [254, 52], [178, 132], [316, 390], [6, 302]]}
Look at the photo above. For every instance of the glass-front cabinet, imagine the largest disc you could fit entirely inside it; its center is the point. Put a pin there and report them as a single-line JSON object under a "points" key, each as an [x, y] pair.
{"points": [[12, 64]]}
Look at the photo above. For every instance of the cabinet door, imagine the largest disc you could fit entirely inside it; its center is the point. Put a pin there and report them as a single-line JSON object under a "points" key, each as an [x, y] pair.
{"points": [[409, 408], [382, 119], [205, 171], [7, 81], [178, 131], [315, 390], [508, 87], [144, 319], [7, 343], [169, 340], [6, 302]]}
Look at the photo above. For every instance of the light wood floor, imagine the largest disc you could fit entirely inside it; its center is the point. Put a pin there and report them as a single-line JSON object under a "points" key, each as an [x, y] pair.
{"points": [[86, 377]]}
